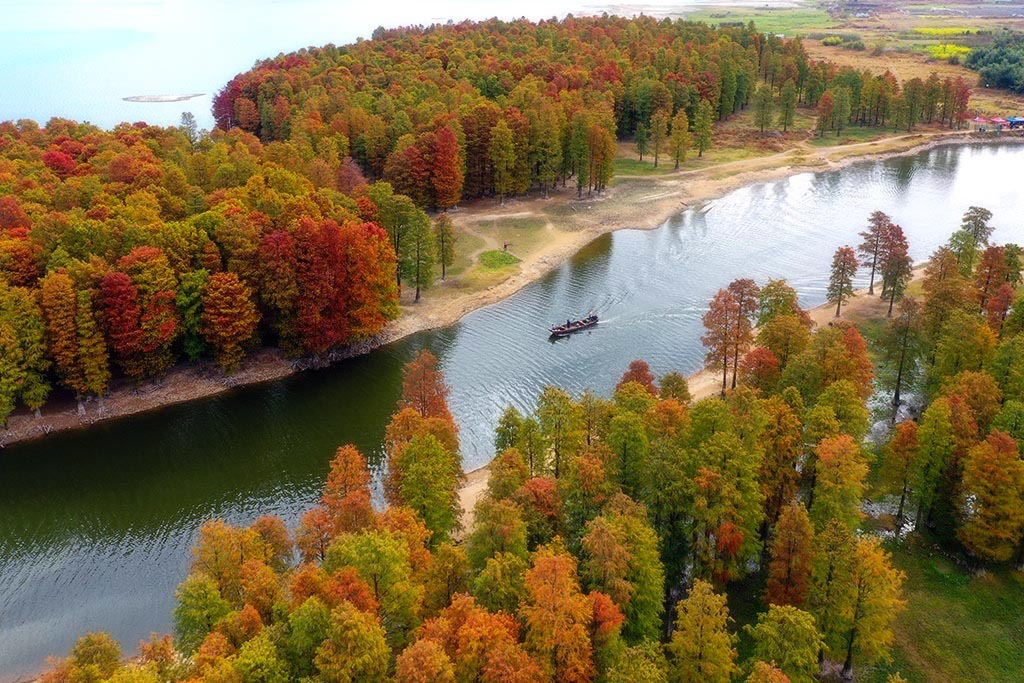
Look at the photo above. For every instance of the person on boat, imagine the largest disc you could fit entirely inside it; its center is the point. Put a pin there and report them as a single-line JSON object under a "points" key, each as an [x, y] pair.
{"points": [[568, 323]]}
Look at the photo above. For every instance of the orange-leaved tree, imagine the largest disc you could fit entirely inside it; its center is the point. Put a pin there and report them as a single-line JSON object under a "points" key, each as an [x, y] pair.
{"points": [[229, 318], [789, 572]]}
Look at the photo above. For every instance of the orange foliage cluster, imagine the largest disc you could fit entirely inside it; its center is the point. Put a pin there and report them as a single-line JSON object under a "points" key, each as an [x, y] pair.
{"points": [[143, 246]]}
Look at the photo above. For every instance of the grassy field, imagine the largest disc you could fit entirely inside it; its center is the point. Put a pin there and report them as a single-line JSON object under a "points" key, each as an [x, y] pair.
{"points": [[633, 166], [957, 626], [467, 245], [850, 135], [493, 260], [735, 139], [788, 22], [520, 234]]}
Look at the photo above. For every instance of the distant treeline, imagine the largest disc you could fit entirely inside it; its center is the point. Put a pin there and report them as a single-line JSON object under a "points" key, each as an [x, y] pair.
{"points": [[498, 108]]}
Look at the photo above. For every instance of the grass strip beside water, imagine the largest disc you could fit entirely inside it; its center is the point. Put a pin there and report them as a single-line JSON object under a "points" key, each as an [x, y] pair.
{"points": [[495, 259]]}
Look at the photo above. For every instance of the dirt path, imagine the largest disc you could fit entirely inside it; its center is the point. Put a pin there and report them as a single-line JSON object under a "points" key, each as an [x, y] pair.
{"points": [[489, 243]]}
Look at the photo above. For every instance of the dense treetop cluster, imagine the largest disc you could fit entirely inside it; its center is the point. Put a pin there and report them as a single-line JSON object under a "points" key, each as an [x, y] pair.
{"points": [[122, 252], [1001, 63], [956, 347], [498, 108], [523, 104], [959, 348], [601, 550]]}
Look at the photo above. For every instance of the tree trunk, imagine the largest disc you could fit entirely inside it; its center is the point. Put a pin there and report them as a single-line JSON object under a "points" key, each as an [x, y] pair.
{"points": [[417, 271], [848, 664], [398, 267], [874, 262], [813, 483], [442, 259]]}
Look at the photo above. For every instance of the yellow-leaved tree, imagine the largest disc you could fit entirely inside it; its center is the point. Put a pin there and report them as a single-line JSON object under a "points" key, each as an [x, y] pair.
{"points": [[702, 648]]}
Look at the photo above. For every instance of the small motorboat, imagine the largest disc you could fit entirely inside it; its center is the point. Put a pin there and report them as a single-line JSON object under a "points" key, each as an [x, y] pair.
{"points": [[572, 326]]}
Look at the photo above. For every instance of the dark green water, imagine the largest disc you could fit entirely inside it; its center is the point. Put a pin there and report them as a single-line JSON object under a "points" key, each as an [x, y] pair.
{"points": [[96, 525]]}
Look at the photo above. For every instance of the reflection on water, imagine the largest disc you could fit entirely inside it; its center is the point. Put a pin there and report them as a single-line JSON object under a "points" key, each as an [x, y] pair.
{"points": [[95, 526]]}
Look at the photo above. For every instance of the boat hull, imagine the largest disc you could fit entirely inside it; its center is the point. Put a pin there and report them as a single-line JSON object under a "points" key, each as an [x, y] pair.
{"points": [[573, 327]]}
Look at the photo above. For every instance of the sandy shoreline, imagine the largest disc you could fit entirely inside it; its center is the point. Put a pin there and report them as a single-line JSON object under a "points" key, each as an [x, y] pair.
{"points": [[632, 203]]}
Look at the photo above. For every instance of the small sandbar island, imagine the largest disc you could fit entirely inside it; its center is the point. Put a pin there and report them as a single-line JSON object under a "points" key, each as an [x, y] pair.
{"points": [[162, 98]]}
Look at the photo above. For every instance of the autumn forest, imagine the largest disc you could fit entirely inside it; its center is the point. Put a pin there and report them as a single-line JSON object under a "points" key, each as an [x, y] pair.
{"points": [[612, 530], [298, 221], [751, 522]]}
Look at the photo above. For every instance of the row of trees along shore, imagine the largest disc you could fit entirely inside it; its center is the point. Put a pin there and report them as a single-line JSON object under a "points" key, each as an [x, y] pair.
{"points": [[124, 252], [613, 529], [956, 347], [297, 220]]}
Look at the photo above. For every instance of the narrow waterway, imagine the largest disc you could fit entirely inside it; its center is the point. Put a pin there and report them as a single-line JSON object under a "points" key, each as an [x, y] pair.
{"points": [[95, 525]]}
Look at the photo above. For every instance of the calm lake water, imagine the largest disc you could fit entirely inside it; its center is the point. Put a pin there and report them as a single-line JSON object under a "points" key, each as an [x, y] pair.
{"points": [[96, 525], [78, 59]]}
